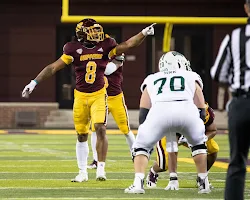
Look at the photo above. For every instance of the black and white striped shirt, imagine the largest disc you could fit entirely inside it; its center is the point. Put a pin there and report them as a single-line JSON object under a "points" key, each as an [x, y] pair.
{"points": [[232, 64]]}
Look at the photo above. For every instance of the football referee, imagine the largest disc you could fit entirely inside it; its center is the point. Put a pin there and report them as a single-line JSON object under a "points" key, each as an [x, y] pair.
{"points": [[232, 67]]}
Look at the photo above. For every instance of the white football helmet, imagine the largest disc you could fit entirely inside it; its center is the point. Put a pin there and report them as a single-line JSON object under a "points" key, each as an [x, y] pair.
{"points": [[173, 61]]}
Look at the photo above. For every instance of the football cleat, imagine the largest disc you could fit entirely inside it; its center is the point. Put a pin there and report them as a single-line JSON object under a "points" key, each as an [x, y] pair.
{"points": [[172, 185], [134, 190], [101, 176], [92, 165], [203, 185], [151, 179], [80, 177]]}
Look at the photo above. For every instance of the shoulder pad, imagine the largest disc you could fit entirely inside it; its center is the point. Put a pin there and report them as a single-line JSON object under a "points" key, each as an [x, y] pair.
{"points": [[69, 47], [145, 83]]}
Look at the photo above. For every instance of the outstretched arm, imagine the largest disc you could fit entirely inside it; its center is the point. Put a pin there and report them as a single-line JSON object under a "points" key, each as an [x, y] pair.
{"points": [[50, 70], [47, 72], [133, 41]]}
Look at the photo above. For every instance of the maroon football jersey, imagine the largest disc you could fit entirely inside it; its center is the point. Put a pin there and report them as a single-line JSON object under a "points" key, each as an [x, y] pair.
{"points": [[115, 82], [89, 63]]}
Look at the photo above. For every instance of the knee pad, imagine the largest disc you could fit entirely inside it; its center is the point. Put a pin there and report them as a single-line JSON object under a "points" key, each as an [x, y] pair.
{"points": [[141, 151], [172, 146], [199, 149]]}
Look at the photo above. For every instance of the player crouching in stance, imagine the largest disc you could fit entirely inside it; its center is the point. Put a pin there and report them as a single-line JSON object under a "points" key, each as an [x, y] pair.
{"points": [[167, 152], [167, 106]]}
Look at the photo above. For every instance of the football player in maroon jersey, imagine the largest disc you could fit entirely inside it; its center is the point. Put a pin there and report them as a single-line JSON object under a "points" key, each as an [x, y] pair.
{"points": [[89, 55]]}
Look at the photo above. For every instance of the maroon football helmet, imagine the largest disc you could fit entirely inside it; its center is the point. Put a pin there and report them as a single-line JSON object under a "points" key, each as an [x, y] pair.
{"points": [[88, 30]]}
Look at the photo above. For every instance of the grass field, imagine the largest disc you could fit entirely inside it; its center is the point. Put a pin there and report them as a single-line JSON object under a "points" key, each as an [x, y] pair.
{"points": [[38, 166]]}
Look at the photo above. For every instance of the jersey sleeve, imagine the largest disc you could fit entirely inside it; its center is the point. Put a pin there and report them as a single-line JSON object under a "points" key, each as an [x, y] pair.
{"points": [[145, 83], [198, 80], [67, 56], [111, 47]]}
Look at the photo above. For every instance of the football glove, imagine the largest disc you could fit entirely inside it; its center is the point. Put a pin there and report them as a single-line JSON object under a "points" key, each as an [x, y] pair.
{"points": [[172, 185], [149, 30], [29, 88]]}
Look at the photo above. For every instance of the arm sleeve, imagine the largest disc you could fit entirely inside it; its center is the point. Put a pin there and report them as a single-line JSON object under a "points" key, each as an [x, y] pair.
{"points": [[110, 68], [111, 47], [219, 71], [67, 57]]}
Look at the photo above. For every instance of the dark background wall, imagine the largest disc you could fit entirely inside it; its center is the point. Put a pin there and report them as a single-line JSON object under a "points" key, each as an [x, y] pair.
{"points": [[28, 38]]}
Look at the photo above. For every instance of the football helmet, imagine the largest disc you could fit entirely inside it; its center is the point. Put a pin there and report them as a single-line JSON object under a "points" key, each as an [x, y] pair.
{"points": [[88, 30], [173, 61]]}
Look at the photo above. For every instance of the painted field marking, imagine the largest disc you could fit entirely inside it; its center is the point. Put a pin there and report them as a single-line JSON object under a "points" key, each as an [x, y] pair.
{"points": [[221, 165]]}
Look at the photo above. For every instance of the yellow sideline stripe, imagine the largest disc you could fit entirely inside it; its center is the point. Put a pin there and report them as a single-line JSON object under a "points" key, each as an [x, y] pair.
{"points": [[3, 132], [55, 131], [222, 165]]}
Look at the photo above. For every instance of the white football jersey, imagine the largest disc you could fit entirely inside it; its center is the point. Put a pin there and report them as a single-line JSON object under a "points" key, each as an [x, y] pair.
{"points": [[174, 86]]}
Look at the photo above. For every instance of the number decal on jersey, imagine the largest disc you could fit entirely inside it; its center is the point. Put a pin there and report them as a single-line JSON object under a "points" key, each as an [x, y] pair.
{"points": [[163, 81], [90, 72], [172, 86]]}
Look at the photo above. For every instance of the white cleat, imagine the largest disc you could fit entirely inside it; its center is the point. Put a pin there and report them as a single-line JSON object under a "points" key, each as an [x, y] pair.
{"points": [[101, 176], [133, 190], [172, 185], [203, 185], [81, 177]]}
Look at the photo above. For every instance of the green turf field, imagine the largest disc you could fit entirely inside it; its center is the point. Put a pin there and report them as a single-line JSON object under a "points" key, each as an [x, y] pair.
{"points": [[41, 166]]}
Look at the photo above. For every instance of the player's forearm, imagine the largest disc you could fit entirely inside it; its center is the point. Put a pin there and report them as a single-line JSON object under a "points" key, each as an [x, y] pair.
{"points": [[47, 72], [130, 43], [210, 134]]}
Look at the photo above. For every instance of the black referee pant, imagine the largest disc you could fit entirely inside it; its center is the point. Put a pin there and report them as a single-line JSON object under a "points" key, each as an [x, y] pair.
{"points": [[239, 139]]}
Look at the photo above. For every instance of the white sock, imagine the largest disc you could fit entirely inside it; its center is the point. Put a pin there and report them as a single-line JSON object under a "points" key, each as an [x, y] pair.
{"points": [[93, 145], [202, 175], [138, 178], [100, 167], [173, 174], [130, 137], [82, 153]]}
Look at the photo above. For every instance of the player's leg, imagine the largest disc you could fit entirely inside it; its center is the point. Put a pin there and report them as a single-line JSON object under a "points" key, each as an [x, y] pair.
{"points": [[151, 131], [172, 149], [93, 165], [99, 114], [119, 111], [212, 150], [81, 122], [160, 165], [194, 131]]}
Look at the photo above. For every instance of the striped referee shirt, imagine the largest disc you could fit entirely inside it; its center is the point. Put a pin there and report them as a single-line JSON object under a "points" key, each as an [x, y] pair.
{"points": [[232, 64]]}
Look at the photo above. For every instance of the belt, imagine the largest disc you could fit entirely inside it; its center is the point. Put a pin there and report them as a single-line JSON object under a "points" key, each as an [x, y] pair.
{"points": [[241, 93]]}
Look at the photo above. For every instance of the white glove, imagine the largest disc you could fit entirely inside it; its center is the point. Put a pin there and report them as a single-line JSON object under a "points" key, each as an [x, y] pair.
{"points": [[172, 185], [149, 30], [29, 88]]}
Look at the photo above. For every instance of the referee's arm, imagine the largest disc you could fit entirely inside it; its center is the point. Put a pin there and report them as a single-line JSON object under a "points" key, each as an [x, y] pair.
{"points": [[220, 69]]}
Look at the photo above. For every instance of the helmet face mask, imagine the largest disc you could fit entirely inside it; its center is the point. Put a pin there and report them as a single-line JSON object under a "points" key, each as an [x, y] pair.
{"points": [[173, 61], [89, 31]]}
